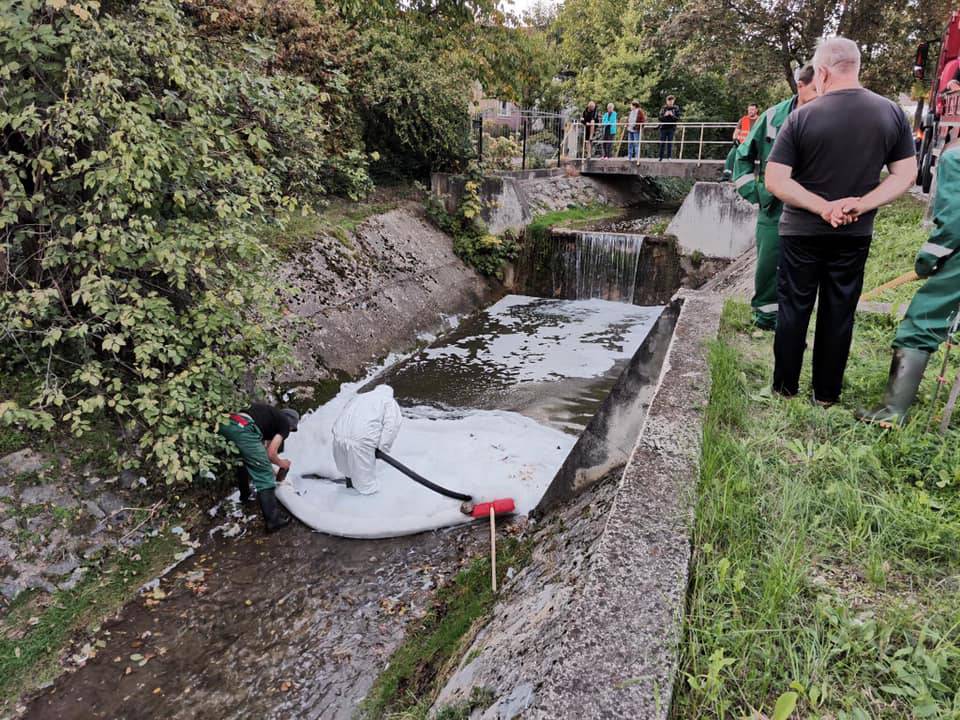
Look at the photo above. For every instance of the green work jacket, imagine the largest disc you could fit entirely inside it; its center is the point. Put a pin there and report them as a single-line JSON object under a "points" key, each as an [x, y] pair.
{"points": [[944, 241], [750, 162]]}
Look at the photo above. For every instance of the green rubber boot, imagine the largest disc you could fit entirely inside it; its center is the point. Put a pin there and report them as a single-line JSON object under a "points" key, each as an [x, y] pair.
{"points": [[906, 372]]}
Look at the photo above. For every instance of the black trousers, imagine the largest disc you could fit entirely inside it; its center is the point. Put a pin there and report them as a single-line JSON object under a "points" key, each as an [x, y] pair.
{"points": [[834, 267], [666, 141]]}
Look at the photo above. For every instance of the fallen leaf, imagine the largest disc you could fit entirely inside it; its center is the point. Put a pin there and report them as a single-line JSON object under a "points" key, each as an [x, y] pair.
{"points": [[157, 691]]}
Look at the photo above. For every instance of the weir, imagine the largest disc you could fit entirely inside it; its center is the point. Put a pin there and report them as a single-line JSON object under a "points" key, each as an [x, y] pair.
{"points": [[602, 265]]}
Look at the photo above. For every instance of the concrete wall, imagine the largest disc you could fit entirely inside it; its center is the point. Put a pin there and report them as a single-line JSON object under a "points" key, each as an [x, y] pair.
{"points": [[512, 200], [715, 221], [359, 298]]}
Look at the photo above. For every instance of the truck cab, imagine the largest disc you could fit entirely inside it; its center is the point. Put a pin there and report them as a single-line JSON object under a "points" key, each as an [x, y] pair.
{"points": [[941, 123]]}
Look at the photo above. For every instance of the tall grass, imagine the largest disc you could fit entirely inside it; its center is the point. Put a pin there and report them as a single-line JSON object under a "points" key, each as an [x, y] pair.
{"points": [[826, 553]]}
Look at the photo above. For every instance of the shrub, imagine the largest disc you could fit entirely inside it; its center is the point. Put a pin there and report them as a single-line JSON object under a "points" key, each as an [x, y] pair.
{"points": [[472, 242], [134, 171]]}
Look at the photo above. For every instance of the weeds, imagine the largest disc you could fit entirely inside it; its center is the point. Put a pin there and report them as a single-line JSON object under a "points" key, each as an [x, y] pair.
{"points": [[826, 553]]}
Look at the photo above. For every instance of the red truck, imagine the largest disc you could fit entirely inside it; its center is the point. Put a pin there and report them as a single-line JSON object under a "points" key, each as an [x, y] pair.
{"points": [[941, 122]]}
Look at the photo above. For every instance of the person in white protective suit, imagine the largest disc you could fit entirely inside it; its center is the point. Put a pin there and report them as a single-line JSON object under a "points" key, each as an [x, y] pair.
{"points": [[369, 422]]}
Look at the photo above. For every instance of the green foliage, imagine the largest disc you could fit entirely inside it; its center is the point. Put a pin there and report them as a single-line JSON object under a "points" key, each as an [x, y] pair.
{"points": [[472, 242], [824, 549], [898, 234], [409, 684], [414, 108], [499, 153], [135, 172]]}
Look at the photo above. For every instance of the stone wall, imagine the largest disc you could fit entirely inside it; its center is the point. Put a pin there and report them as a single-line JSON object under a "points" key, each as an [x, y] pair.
{"points": [[361, 297]]}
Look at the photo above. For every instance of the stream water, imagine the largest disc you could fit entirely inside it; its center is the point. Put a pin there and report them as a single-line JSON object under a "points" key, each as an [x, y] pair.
{"points": [[299, 624]]}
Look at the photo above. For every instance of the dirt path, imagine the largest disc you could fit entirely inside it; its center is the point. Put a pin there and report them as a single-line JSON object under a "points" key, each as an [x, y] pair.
{"points": [[296, 624]]}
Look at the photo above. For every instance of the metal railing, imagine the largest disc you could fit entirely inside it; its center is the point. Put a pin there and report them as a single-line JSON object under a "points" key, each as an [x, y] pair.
{"points": [[520, 139], [697, 141]]}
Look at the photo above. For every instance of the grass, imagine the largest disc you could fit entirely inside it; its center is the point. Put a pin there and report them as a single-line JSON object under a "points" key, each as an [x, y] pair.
{"points": [[572, 217], [898, 234], [407, 688], [826, 553], [33, 638]]}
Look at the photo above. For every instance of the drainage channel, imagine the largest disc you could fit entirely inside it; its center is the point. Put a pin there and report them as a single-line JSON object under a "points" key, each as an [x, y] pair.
{"points": [[300, 624]]}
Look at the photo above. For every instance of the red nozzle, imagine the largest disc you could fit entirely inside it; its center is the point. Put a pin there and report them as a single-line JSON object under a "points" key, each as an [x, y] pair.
{"points": [[504, 506]]}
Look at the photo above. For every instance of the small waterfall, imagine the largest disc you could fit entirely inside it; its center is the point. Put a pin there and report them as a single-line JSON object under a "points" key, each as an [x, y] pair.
{"points": [[602, 265]]}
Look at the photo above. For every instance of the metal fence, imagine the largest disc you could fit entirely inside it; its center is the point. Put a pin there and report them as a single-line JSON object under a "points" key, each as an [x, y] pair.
{"points": [[687, 141], [519, 140]]}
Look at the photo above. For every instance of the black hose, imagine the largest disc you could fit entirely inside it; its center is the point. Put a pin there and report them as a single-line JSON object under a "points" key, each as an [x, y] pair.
{"points": [[380, 454]]}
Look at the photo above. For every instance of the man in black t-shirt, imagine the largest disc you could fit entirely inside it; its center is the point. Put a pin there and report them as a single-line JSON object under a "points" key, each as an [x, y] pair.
{"points": [[258, 433], [825, 166]]}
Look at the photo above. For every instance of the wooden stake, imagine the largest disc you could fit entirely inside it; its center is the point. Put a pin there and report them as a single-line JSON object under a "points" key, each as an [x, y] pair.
{"points": [[493, 549]]}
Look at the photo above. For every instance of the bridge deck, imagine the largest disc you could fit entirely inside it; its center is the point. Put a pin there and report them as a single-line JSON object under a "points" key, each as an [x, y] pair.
{"points": [[648, 167]]}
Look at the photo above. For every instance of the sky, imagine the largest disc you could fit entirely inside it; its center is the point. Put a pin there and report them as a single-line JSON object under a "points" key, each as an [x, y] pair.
{"points": [[519, 6]]}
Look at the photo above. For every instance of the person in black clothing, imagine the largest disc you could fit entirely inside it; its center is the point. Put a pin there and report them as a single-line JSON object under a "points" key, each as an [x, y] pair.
{"points": [[591, 119], [258, 433], [669, 117], [829, 181]]}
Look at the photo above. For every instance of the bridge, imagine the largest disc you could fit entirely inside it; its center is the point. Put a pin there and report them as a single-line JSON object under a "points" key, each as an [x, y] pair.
{"points": [[697, 151]]}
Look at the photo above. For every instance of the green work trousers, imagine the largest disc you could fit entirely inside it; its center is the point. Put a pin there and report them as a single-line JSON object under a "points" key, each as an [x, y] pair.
{"points": [[249, 442], [932, 310], [764, 302]]}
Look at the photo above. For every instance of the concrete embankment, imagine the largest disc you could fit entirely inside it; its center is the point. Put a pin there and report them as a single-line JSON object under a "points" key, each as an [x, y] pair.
{"points": [[372, 293]]}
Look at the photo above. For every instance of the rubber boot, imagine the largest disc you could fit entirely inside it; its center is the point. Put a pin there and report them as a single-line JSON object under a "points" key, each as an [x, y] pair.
{"points": [[274, 517], [906, 372], [243, 485]]}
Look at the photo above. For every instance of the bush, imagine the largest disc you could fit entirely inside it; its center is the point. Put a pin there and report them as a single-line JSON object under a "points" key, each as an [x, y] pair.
{"points": [[472, 242], [134, 171]]}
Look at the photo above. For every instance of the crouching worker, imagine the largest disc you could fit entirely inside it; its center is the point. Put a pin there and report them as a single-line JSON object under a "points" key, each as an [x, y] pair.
{"points": [[932, 311], [368, 423], [258, 433]]}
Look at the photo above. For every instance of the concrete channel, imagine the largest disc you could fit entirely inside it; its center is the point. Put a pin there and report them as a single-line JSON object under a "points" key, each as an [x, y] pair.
{"points": [[300, 625]]}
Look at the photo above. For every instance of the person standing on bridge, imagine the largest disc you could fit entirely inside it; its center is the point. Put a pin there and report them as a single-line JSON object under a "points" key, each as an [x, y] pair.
{"points": [[609, 130], [669, 117], [934, 308], [635, 121], [590, 120], [828, 178], [749, 165]]}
